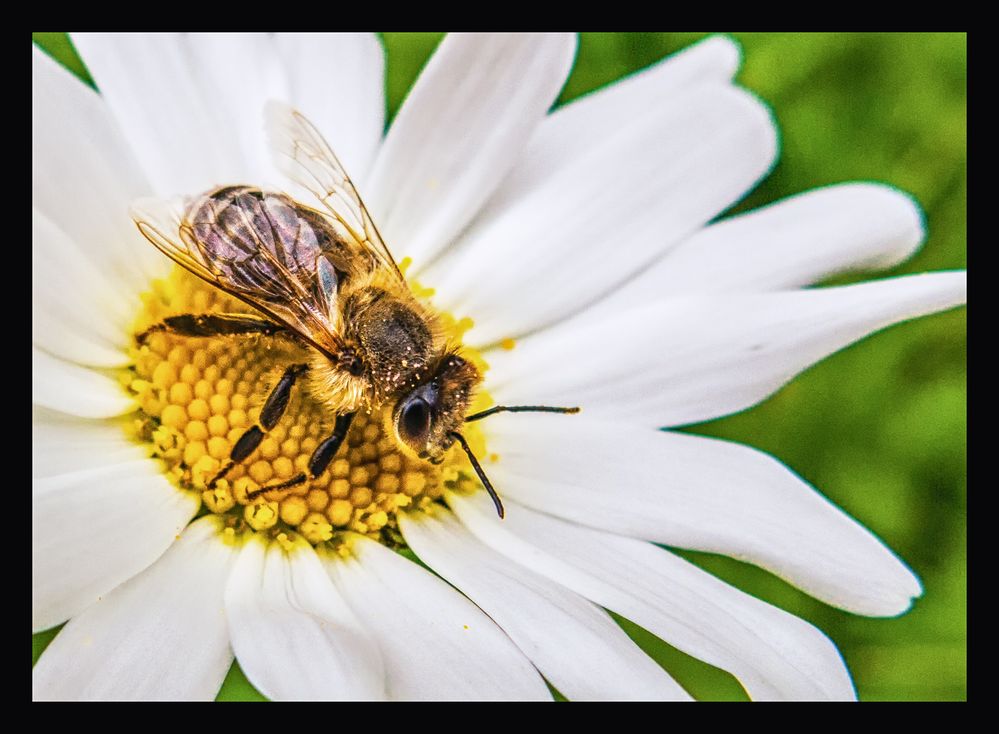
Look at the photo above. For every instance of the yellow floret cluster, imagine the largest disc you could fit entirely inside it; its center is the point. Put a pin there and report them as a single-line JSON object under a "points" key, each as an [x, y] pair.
{"points": [[197, 396]]}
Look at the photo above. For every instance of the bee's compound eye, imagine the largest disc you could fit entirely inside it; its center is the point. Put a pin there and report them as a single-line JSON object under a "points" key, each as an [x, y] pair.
{"points": [[414, 420]]}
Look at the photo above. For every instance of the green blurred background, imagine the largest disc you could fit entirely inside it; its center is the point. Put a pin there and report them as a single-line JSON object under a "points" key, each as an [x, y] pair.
{"points": [[879, 428]]}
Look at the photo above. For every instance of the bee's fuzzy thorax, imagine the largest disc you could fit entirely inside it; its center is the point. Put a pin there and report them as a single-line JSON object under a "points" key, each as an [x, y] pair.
{"points": [[338, 390]]}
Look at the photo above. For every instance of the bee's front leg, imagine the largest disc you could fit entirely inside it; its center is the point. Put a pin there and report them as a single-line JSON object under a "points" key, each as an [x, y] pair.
{"points": [[270, 414], [320, 458]]}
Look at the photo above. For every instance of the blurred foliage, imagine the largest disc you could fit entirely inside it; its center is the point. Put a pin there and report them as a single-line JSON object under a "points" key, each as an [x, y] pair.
{"points": [[880, 427]]}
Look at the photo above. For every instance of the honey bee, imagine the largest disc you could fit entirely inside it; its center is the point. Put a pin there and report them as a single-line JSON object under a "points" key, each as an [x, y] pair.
{"points": [[323, 277]]}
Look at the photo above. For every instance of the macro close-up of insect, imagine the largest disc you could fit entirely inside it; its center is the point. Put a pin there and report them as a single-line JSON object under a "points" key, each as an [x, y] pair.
{"points": [[325, 279], [269, 325]]}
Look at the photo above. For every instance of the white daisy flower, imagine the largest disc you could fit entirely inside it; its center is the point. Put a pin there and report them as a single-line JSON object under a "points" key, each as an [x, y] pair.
{"points": [[580, 242]]}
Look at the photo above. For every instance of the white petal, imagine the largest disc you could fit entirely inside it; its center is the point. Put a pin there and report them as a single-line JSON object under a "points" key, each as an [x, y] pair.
{"points": [[436, 644], [775, 655], [83, 175], [338, 81], [292, 633], [575, 644], [574, 129], [700, 493], [697, 357], [596, 222], [160, 636], [239, 73], [794, 242], [459, 131], [76, 312], [167, 109], [63, 444], [73, 389], [93, 529]]}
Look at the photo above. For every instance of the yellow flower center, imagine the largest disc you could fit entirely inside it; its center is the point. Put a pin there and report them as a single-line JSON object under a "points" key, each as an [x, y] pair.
{"points": [[198, 395]]}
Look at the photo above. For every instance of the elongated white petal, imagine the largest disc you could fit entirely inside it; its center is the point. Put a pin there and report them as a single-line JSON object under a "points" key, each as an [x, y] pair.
{"points": [[436, 644], [166, 108], [697, 357], [160, 636], [238, 73], [292, 633], [338, 81], [73, 389], [573, 130], [575, 644], [700, 493], [792, 243], [83, 175], [598, 221], [76, 312], [64, 444], [460, 130], [93, 529], [775, 655]]}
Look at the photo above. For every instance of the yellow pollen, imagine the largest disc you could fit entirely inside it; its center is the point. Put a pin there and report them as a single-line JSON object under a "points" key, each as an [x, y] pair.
{"points": [[199, 395]]}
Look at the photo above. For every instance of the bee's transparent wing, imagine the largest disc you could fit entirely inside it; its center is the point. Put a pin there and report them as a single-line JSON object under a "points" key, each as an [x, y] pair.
{"points": [[302, 154], [252, 246], [160, 221]]}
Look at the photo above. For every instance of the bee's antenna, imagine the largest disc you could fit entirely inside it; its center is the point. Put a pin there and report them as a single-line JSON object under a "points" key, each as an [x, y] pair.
{"points": [[518, 409], [482, 475]]}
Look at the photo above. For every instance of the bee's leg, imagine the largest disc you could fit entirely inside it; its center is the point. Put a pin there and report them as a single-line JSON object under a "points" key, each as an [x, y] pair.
{"points": [[270, 414], [212, 324], [320, 458]]}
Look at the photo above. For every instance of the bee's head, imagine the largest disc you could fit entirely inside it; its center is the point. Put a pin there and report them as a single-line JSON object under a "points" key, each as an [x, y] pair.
{"points": [[425, 418]]}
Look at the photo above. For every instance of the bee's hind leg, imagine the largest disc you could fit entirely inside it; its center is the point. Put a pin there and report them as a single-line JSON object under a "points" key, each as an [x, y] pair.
{"points": [[270, 414], [320, 458], [211, 324]]}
